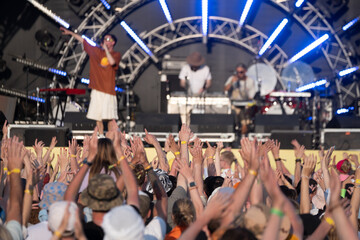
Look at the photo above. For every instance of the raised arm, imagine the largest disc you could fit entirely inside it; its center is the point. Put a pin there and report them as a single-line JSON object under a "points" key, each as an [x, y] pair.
{"points": [[73, 155], [299, 154], [151, 139], [196, 152], [68, 32], [355, 200], [308, 169]]}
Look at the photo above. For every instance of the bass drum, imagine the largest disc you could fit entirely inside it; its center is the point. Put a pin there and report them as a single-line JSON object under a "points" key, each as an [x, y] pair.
{"points": [[263, 75]]}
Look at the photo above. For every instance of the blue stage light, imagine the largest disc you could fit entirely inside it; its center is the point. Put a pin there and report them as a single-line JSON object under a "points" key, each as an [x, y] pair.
{"points": [[117, 89], [106, 4], [57, 71], [299, 3], [273, 36], [348, 71], [344, 110], [91, 42], [311, 85], [49, 13], [136, 38], [37, 99], [245, 12], [166, 11], [350, 24], [309, 48], [205, 17]]}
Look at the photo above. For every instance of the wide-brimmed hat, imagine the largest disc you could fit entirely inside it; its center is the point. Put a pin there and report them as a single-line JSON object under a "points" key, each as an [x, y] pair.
{"points": [[101, 193], [52, 192], [195, 59], [56, 215]]}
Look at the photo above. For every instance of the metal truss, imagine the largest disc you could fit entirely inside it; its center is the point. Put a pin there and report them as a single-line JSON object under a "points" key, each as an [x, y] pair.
{"points": [[162, 38], [335, 52]]}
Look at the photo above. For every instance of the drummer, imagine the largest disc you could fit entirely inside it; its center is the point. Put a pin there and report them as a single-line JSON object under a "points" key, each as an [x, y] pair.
{"points": [[241, 87]]}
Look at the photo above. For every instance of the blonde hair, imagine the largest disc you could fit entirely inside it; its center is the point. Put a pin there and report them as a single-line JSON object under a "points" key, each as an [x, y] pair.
{"points": [[228, 157], [183, 212]]}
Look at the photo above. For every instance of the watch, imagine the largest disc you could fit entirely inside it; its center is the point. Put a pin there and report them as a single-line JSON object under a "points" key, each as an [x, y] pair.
{"points": [[87, 163], [192, 184]]}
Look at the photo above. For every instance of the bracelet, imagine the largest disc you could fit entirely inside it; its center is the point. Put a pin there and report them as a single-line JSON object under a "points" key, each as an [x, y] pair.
{"points": [[298, 160], [357, 181], [30, 192], [277, 212], [277, 159], [177, 153], [57, 233], [193, 187], [183, 142], [305, 176], [5, 169], [73, 155], [148, 168], [343, 193], [210, 157], [253, 172], [330, 221], [15, 170]]}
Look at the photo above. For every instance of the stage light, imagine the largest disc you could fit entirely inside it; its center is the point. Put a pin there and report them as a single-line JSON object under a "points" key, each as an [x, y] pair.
{"points": [[245, 12], [205, 17], [299, 3], [344, 110], [166, 11], [347, 71], [37, 99], [49, 13], [44, 39], [57, 72], [273, 36], [136, 38], [91, 42], [350, 24], [106, 4], [87, 81], [309, 48], [311, 85]]}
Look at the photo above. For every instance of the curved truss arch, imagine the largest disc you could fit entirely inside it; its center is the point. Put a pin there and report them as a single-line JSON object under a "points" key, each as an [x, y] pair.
{"points": [[162, 38]]}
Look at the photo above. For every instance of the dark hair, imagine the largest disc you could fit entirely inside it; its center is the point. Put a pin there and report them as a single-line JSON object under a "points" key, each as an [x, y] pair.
{"points": [[289, 193], [238, 233], [211, 183], [108, 34], [347, 194], [139, 173], [242, 65]]}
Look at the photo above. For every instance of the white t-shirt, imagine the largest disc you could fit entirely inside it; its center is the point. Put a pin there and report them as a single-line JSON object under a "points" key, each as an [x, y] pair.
{"points": [[39, 231], [242, 90], [156, 229], [195, 80]]}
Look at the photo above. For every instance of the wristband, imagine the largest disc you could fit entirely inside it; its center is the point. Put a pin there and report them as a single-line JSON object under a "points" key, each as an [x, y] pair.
{"points": [[253, 172], [277, 159], [298, 160], [210, 157], [30, 192], [177, 153], [357, 181], [73, 155], [277, 212], [5, 169], [57, 234], [191, 188], [343, 193], [330, 221], [148, 168], [15, 170], [183, 142]]}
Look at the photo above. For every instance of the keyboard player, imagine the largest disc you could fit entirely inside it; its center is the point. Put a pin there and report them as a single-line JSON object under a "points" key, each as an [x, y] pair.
{"points": [[240, 87]]}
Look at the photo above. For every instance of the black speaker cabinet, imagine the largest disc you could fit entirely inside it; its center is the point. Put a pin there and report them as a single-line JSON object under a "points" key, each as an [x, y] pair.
{"points": [[212, 123], [157, 122], [286, 136], [268, 123], [339, 121], [78, 121]]}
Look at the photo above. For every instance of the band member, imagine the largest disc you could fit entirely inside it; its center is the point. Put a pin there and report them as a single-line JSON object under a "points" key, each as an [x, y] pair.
{"points": [[104, 62]]}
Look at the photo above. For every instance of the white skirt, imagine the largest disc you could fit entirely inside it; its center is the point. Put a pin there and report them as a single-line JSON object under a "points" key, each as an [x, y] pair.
{"points": [[103, 106]]}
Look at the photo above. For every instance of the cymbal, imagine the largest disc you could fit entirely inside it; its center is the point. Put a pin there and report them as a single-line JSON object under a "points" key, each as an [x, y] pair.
{"points": [[297, 74], [264, 73]]}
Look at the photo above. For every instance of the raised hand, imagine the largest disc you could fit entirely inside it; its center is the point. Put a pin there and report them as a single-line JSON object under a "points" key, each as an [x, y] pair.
{"points": [[93, 145], [185, 133], [15, 154], [354, 158], [53, 143], [210, 151], [150, 139], [196, 151], [38, 147], [183, 168], [245, 150], [276, 149], [5, 130], [309, 165], [63, 160], [73, 146], [174, 147]]}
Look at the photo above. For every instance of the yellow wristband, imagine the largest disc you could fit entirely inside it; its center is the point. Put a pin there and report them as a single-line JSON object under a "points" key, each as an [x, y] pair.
{"points": [[330, 221], [177, 153], [73, 155], [357, 181], [211, 157], [183, 142], [5, 169], [58, 234], [120, 159], [15, 170], [147, 168], [253, 172], [30, 192]]}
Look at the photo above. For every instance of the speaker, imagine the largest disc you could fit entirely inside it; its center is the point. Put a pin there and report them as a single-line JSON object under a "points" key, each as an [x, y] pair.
{"points": [[157, 122], [62, 134], [212, 123], [342, 139], [344, 122], [267, 123], [286, 136], [78, 121], [7, 106]]}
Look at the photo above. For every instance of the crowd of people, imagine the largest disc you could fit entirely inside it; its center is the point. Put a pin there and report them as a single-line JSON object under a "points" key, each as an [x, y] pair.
{"points": [[107, 189]]}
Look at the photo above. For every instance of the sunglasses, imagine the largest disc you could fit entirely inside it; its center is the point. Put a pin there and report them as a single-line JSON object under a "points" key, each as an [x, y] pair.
{"points": [[109, 39], [240, 71]]}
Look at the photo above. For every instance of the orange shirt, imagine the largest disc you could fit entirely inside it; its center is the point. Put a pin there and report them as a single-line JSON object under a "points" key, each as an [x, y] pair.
{"points": [[102, 74], [175, 233]]}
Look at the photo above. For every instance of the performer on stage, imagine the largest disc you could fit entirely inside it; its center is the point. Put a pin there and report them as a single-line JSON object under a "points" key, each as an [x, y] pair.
{"points": [[241, 87], [195, 76], [104, 63]]}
